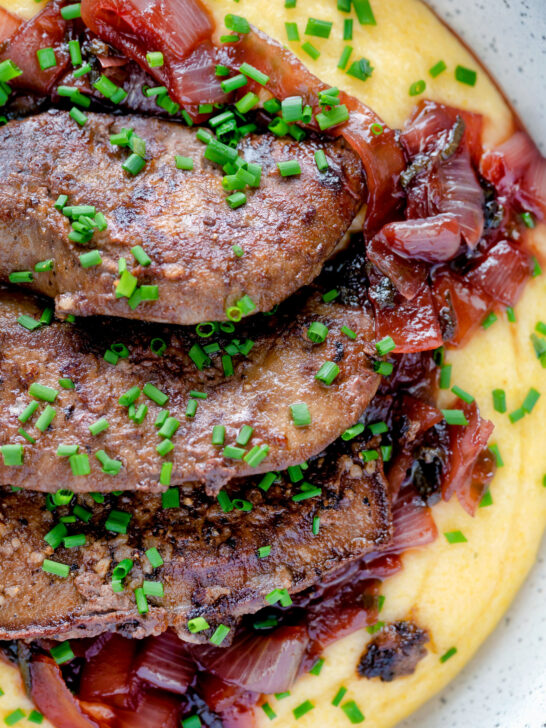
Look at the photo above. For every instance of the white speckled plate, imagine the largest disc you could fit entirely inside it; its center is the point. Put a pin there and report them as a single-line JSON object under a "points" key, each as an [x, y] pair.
{"points": [[505, 685]]}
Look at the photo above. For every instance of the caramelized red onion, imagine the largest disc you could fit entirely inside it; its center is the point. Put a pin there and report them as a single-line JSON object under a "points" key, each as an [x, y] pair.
{"points": [[180, 29], [518, 172], [106, 671], [414, 526], [54, 700], [413, 325], [466, 445], [261, 663], [461, 307], [502, 274], [47, 29], [406, 275], [166, 664], [159, 710], [432, 239]]}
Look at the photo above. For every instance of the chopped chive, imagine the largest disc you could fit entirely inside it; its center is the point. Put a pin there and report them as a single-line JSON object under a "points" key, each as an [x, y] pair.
{"points": [[140, 255], [487, 499], [54, 537], [378, 428], [268, 710], [279, 595], [455, 537], [236, 200], [254, 73], [220, 633], [35, 717], [311, 51], [344, 58], [499, 400], [516, 415], [353, 712], [465, 75], [78, 116], [14, 717], [233, 83], [197, 624], [27, 322], [46, 58], [445, 657], [41, 392], [141, 601], [90, 259], [333, 117], [369, 455], [330, 295], [458, 392], [489, 320], [348, 29], [264, 551], [155, 394], [233, 453], [386, 452], [292, 32], [171, 498], [537, 270], [530, 400], [44, 265], [302, 709], [74, 541], [289, 168], [339, 696], [417, 88], [437, 69], [22, 276], [117, 521], [385, 346], [383, 367], [134, 164], [65, 451], [169, 428], [75, 52], [46, 418], [301, 416], [317, 667], [316, 525], [494, 448], [70, 12], [318, 28], [454, 416], [364, 12], [82, 71], [110, 466], [267, 481], [445, 376], [153, 588], [154, 59], [99, 426], [82, 513], [56, 568], [327, 372], [185, 163], [353, 431], [237, 23], [245, 433]]}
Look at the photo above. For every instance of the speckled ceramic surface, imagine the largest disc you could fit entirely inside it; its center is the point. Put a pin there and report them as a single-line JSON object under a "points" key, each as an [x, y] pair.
{"points": [[505, 685]]}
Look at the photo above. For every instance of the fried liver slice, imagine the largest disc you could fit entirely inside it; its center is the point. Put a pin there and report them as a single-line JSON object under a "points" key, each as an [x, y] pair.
{"points": [[277, 371], [287, 229], [212, 567]]}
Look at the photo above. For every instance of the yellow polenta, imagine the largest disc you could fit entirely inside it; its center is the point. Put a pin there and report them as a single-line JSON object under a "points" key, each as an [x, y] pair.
{"points": [[458, 592]]}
